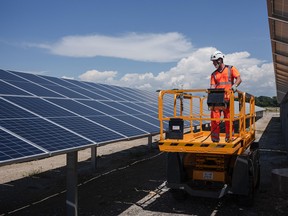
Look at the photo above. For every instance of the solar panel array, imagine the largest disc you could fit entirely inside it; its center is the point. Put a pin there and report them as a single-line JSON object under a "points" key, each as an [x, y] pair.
{"points": [[41, 116]]}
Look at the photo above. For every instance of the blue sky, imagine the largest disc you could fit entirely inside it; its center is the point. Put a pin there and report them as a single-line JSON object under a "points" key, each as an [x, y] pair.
{"points": [[146, 44]]}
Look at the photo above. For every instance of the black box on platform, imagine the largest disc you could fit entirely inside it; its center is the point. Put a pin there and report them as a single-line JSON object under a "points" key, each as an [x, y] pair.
{"points": [[176, 129], [216, 98]]}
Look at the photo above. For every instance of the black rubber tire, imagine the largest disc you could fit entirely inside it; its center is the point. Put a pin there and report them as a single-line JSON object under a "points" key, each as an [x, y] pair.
{"points": [[248, 200]]}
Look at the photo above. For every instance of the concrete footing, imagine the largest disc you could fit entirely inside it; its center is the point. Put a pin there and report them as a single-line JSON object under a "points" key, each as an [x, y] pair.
{"points": [[280, 181]]}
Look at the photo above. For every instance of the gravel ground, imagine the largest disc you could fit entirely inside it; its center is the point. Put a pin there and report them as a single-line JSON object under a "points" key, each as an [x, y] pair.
{"points": [[130, 180]]}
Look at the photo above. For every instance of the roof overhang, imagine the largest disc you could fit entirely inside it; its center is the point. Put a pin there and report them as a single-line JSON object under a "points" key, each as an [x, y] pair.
{"points": [[278, 24]]}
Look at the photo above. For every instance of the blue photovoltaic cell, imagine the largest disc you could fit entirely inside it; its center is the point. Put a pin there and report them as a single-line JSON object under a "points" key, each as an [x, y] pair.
{"points": [[64, 91], [89, 93], [149, 119], [58, 81], [139, 123], [102, 107], [88, 129], [34, 89], [94, 95], [126, 117], [134, 94], [4, 75], [151, 106], [12, 147], [98, 117], [10, 90], [100, 91], [92, 92], [76, 107], [44, 134], [10, 111], [121, 97], [33, 78], [129, 96], [122, 107], [67, 84], [39, 106], [117, 125], [142, 107]]}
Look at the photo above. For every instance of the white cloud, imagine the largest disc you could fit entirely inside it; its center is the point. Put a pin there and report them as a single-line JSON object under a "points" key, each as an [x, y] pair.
{"points": [[166, 47], [194, 72], [67, 77], [97, 76]]}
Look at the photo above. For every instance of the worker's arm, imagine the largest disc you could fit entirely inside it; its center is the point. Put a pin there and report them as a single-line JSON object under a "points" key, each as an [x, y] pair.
{"points": [[236, 84], [212, 86], [212, 82], [238, 81]]}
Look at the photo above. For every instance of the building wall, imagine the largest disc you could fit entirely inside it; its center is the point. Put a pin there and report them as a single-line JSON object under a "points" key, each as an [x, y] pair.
{"points": [[284, 121]]}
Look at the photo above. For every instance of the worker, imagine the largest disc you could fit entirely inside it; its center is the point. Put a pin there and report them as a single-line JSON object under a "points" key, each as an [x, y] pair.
{"points": [[223, 77]]}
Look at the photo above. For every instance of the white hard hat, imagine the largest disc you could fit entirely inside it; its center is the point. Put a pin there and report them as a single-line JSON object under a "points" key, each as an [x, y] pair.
{"points": [[216, 55]]}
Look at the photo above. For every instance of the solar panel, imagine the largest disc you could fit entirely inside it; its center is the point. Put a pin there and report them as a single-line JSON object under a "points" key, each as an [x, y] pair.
{"points": [[138, 122], [122, 127], [104, 92], [121, 107], [76, 106], [13, 148], [39, 106], [90, 129], [102, 107], [134, 112], [10, 111], [142, 107], [99, 116], [48, 115], [106, 95], [6, 75], [45, 134], [74, 88], [8, 89], [34, 89]]}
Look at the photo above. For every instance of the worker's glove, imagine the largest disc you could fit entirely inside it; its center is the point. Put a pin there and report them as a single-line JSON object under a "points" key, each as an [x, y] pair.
{"points": [[234, 88]]}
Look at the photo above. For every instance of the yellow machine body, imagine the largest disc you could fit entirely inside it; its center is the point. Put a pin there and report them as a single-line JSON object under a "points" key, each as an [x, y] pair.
{"points": [[185, 134]]}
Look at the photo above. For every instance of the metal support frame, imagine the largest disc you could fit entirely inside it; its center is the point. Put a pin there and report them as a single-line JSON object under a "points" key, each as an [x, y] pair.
{"points": [[94, 158], [72, 182], [150, 141]]}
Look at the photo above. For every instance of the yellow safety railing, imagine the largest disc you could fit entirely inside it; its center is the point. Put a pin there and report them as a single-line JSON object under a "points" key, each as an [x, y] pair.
{"points": [[197, 113]]}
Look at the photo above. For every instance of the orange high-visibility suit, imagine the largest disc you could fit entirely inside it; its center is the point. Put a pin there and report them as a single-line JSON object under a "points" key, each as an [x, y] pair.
{"points": [[223, 79]]}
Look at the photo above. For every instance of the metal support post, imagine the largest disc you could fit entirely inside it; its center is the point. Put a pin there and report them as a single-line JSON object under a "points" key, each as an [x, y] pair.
{"points": [[72, 181], [94, 158], [150, 141]]}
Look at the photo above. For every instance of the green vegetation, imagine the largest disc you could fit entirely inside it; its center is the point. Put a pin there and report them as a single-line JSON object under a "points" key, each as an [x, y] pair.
{"points": [[264, 101]]}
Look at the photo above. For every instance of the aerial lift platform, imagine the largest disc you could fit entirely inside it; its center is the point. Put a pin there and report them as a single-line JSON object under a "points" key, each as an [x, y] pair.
{"points": [[195, 164]]}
